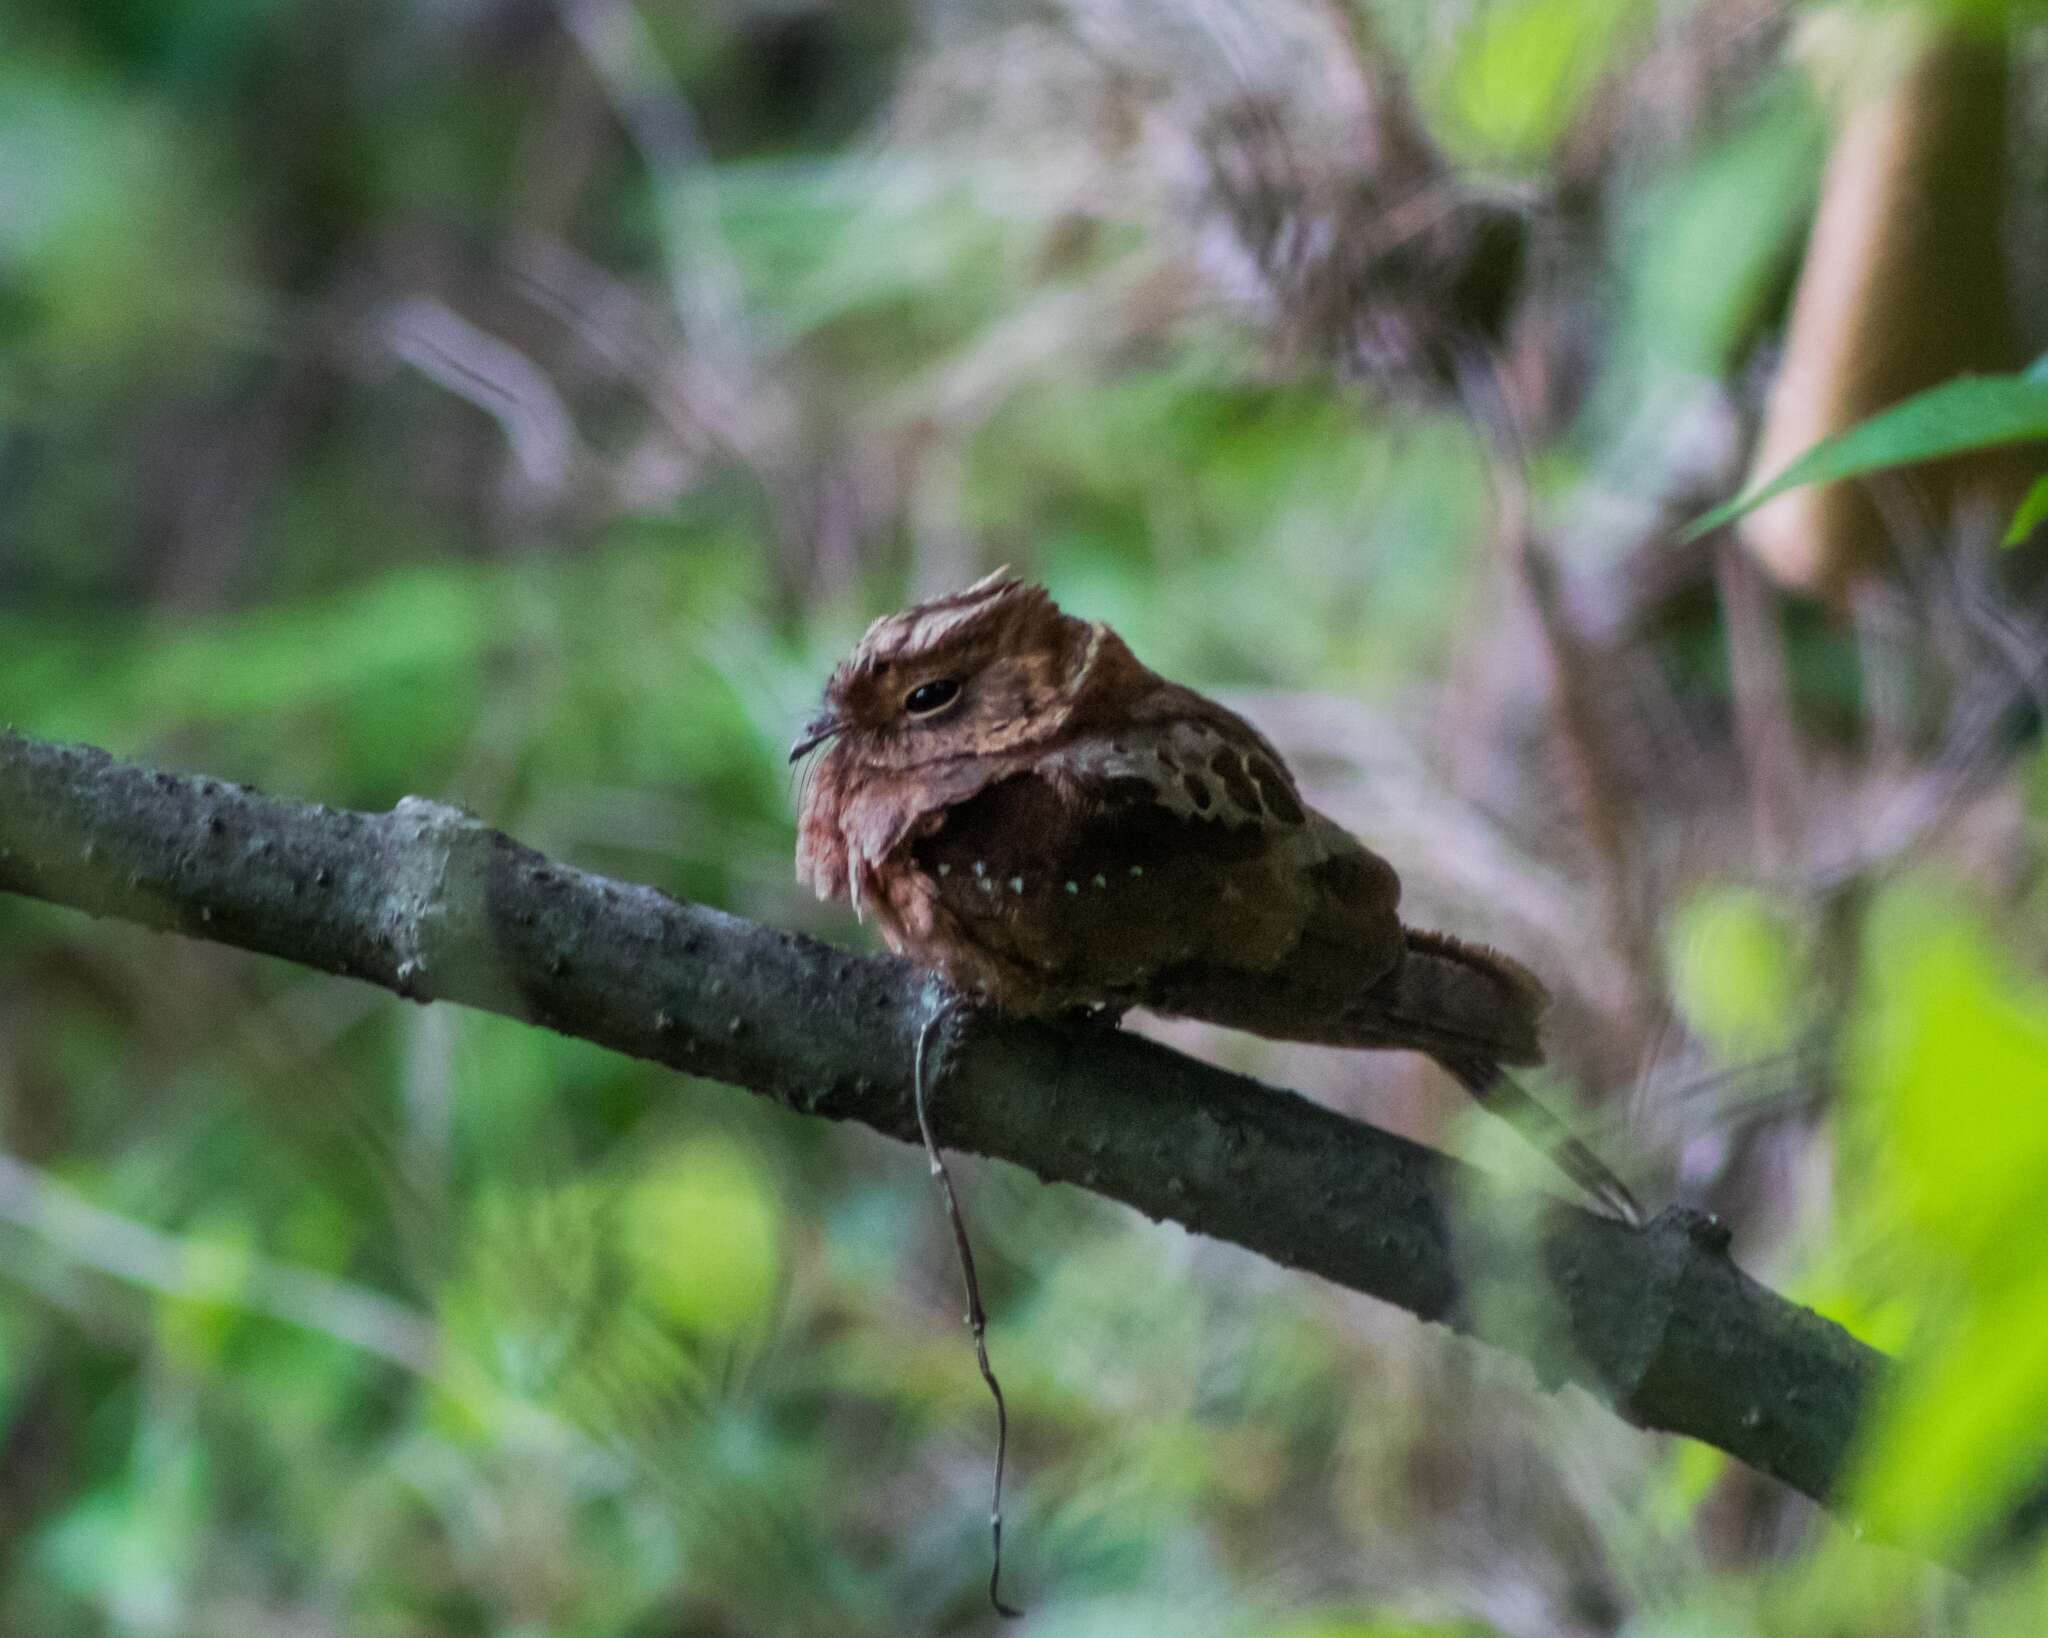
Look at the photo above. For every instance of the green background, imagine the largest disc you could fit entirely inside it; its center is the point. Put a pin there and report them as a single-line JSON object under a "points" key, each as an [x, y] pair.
{"points": [[524, 405]]}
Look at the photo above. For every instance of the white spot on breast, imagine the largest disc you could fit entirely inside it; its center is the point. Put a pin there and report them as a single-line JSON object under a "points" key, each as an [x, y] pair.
{"points": [[1016, 884], [1137, 870], [945, 869], [1073, 887], [980, 869], [1101, 881]]}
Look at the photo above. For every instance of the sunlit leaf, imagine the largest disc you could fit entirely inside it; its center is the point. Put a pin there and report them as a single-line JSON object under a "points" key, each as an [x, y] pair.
{"points": [[1953, 1051], [704, 1228], [1965, 1430], [1524, 69], [1735, 971], [2032, 514], [1946, 1141], [1970, 413]]}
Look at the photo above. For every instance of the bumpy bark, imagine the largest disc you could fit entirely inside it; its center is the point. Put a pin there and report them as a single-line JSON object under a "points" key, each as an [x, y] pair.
{"points": [[430, 903]]}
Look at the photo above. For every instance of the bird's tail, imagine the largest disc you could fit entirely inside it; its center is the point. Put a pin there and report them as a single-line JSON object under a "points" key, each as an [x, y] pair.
{"points": [[1474, 1010], [1493, 1089], [1450, 996], [1468, 1007]]}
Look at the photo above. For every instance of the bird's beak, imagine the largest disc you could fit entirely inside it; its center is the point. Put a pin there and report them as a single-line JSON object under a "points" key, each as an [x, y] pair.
{"points": [[819, 729]]}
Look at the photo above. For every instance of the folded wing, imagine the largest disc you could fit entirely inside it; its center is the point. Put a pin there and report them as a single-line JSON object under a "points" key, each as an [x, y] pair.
{"points": [[1100, 872]]}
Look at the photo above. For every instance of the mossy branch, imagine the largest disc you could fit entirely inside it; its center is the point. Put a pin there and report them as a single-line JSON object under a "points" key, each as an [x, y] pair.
{"points": [[432, 904]]}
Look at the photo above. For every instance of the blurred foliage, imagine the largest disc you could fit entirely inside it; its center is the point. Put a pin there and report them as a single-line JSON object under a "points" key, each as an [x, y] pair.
{"points": [[525, 404], [1972, 413], [1520, 74], [1736, 971], [1955, 1047]]}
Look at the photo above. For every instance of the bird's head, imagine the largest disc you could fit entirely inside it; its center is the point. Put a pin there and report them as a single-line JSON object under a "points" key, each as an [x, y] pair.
{"points": [[992, 669]]}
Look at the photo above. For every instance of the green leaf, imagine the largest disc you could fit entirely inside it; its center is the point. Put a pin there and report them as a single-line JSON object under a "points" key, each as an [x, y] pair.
{"points": [[1704, 248], [1525, 69], [704, 1226], [1971, 412], [1944, 1140], [1735, 970], [2032, 514]]}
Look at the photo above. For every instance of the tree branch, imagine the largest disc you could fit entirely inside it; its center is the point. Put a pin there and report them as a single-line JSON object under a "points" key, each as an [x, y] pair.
{"points": [[432, 904]]}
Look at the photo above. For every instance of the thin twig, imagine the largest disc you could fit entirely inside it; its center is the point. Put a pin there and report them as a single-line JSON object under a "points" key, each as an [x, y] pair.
{"points": [[977, 1316]]}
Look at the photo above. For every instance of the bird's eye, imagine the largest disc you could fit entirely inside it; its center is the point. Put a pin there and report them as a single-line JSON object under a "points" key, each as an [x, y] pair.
{"points": [[929, 698]]}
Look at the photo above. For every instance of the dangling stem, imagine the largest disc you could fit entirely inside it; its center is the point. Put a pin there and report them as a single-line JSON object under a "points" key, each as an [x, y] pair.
{"points": [[977, 1316]]}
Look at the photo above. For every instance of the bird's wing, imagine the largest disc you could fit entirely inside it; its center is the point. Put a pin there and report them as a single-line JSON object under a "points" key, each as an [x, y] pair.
{"points": [[1121, 858]]}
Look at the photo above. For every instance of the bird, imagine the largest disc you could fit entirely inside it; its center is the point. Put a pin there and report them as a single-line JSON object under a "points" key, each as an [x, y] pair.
{"points": [[1055, 830]]}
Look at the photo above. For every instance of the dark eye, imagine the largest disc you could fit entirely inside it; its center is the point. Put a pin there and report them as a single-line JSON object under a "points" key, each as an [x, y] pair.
{"points": [[928, 697]]}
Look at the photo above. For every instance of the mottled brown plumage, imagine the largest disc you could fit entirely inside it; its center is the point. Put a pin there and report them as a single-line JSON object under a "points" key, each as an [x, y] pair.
{"points": [[1028, 810]]}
